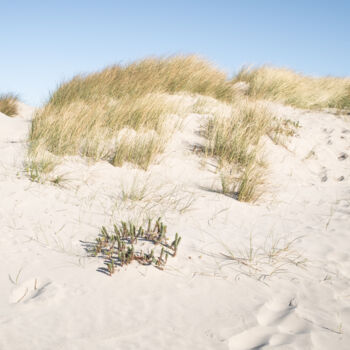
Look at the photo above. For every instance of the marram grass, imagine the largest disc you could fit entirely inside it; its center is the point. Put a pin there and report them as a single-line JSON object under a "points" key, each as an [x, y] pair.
{"points": [[8, 104], [288, 87], [127, 114], [123, 113], [235, 137]]}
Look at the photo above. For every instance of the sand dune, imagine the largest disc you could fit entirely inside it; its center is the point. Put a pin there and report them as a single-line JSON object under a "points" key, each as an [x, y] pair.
{"points": [[286, 285]]}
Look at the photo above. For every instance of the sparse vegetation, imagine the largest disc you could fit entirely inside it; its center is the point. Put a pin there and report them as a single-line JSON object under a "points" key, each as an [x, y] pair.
{"points": [[291, 88], [120, 247], [136, 191], [265, 260], [37, 169], [8, 104], [139, 199]]}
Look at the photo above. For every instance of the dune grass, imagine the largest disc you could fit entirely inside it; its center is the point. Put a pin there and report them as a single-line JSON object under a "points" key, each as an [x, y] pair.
{"points": [[124, 130], [291, 88], [127, 114], [8, 104], [235, 136], [124, 113], [235, 141], [152, 75]]}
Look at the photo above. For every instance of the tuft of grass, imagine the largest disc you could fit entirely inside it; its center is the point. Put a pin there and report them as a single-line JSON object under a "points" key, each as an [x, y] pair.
{"points": [[37, 168], [288, 87], [235, 136], [249, 183], [136, 191], [8, 104], [235, 140], [90, 115]]}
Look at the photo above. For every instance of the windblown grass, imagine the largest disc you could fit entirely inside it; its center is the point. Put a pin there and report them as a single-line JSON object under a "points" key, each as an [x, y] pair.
{"points": [[234, 137], [8, 104], [288, 87], [124, 114], [124, 130], [153, 75]]}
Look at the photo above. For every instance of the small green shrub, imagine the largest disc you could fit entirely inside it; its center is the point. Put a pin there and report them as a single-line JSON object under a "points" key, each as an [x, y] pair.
{"points": [[120, 248]]}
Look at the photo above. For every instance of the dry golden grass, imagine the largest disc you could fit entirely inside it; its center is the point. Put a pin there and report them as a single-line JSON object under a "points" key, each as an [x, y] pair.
{"points": [[8, 104], [153, 75], [123, 114], [124, 130], [234, 137], [288, 87], [235, 140], [127, 114]]}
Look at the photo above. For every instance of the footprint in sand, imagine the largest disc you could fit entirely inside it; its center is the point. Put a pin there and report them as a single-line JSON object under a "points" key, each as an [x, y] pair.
{"points": [[277, 325], [323, 175], [342, 156]]}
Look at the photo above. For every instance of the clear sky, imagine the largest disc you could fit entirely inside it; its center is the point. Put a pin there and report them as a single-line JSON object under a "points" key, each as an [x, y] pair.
{"points": [[45, 42]]}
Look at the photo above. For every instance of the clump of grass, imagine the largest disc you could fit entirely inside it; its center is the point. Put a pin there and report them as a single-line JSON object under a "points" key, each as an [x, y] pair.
{"points": [[88, 116], [246, 186], [8, 104], [235, 134], [120, 247], [234, 139], [36, 169], [136, 191], [288, 87], [38, 166]]}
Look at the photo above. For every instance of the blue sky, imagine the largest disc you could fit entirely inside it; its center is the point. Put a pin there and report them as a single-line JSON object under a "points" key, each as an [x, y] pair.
{"points": [[46, 42]]}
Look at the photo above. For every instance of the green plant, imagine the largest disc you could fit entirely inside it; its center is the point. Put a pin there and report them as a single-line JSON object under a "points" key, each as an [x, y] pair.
{"points": [[58, 180], [120, 247], [175, 243], [8, 104], [36, 169]]}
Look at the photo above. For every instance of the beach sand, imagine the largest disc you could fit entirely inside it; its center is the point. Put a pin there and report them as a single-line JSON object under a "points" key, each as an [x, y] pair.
{"points": [[287, 285]]}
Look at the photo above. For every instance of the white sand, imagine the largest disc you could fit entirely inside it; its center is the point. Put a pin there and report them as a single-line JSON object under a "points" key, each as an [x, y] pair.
{"points": [[52, 297]]}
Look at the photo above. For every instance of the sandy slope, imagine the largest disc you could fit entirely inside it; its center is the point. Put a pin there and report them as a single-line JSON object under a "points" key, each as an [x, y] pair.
{"points": [[293, 296]]}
